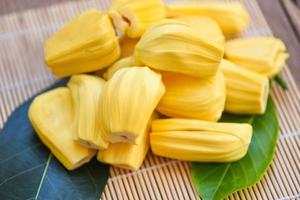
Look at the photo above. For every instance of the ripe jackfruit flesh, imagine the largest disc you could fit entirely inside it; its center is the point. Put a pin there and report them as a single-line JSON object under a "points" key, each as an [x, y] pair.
{"points": [[261, 54], [232, 17], [127, 46], [192, 97], [246, 91], [208, 28], [51, 115], [128, 101], [87, 43], [200, 141], [122, 63], [86, 92], [175, 46], [128, 156], [133, 17]]}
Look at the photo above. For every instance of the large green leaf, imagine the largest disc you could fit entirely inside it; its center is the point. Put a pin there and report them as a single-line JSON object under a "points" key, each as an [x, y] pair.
{"points": [[28, 170], [215, 181]]}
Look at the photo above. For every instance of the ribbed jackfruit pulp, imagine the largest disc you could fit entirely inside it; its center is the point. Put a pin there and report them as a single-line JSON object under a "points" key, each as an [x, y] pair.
{"points": [[128, 101], [261, 54], [86, 93], [51, 115], [192, 97], [200, 141], [133, 17], [232, 17], [128, 156], [127, 46], [122, 63], [246, 91], [87, 43], [208, 28], [175, 46]]}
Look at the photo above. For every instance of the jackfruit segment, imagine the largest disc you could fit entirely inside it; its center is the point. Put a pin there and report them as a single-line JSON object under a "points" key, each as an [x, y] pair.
{"points": [[128, 101], [232, 17], [175, 46], [246, 91], [87, 43], [128, 156], [86, 92], [122, 63], [127, 46], [99, 73], [200, 141], [208, 28], [262, 54], [191, 97], [51, 115], [133, 17], [124, 155]]}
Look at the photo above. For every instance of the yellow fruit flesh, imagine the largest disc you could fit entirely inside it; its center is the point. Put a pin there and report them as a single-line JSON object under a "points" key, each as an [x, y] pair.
{"points": [[87, 43], [128, 156], [127, 46], [51, 115], [264, 55], [175, 46], [232, 18], [86, 92], [246, 91], [122, 63], [191, 97], [201, 141], [128, 101], [208, 29], [133, 17]]}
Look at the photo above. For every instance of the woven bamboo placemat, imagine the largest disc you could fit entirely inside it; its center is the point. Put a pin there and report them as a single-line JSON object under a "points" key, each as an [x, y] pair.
{"points": [[23, 73]]}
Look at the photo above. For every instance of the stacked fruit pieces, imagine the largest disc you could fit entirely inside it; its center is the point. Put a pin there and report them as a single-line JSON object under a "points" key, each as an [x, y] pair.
{"points": [[167, 81]]}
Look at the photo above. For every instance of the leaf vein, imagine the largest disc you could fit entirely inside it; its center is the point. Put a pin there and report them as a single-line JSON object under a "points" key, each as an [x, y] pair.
{"points": [[10, 157], [54, 188], [21, 173], [222, 178], [43, 176]]}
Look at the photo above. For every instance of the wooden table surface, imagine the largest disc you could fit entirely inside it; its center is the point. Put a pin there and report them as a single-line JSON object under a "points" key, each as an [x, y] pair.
{"points": [[283, 16]]}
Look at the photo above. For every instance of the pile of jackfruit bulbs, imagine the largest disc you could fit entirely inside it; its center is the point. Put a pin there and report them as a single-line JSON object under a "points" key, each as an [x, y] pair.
{"points": [[162, 83]]}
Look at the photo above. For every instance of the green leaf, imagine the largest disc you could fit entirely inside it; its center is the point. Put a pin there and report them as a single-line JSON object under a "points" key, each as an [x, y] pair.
{"points": [[28, 170], [281, 82], [215, 181]]}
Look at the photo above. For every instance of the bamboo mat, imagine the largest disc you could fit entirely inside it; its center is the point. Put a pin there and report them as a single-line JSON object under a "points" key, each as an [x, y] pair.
{"points": [[23, 73]]}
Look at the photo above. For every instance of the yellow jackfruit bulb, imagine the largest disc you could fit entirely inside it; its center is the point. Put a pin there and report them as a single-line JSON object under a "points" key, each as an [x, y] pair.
{"points": [[262, 54], [246, 91], [133, 17], [122, 63], [99, 73], [232, 17], [128, 101], [175, 46], [200, 141], [51, 115], [127, 46], [87, 43], [128, 156], [191, 97], [208, 28], [86, 92]]}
